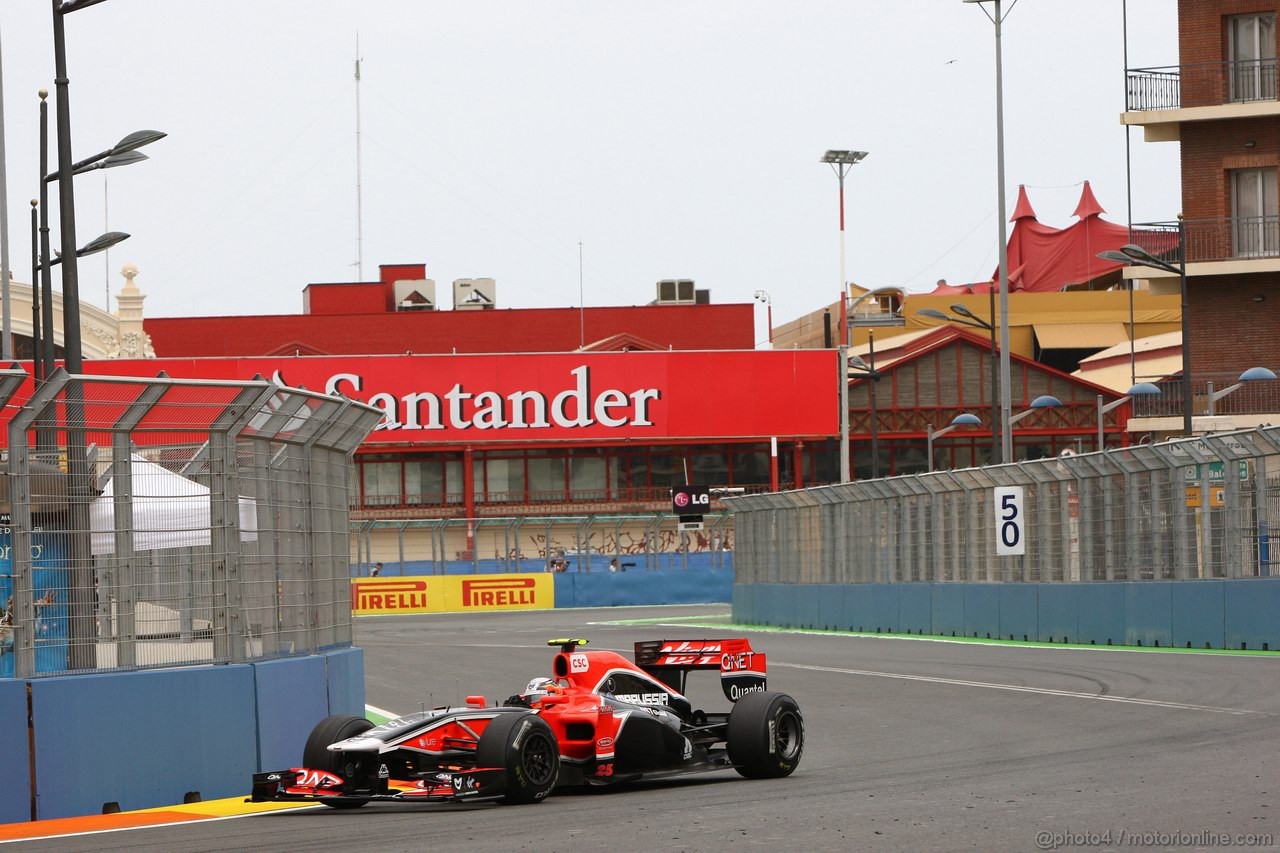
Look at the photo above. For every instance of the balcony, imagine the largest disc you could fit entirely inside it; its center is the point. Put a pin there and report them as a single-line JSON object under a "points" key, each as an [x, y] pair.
{"points": [[1159, 99], [1227, 246], [1252, 404]]}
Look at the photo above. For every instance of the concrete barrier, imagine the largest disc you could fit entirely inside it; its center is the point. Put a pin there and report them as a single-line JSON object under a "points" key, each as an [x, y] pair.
{"points": [[1251, 613], [1232, 614], [288, 692], [15, 793], [614, 589], [142, 739], [147, 739]]}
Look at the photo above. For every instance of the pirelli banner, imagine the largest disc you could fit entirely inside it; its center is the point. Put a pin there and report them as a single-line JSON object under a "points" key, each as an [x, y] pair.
{"points": [[452, 594]]}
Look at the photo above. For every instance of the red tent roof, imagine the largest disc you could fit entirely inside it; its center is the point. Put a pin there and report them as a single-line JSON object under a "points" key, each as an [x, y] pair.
{"points": [[1044, 259]]}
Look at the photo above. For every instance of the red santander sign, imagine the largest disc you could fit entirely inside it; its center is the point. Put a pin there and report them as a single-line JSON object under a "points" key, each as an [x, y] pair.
{"points": [[643, 396]]}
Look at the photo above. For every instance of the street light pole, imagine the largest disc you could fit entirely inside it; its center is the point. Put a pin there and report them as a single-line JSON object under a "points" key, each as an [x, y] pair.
{"points": [[841, 161], [842, 357], [1006, 435]]}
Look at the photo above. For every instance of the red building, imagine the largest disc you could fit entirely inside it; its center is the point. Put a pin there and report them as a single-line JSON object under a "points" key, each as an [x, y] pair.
{"points": [[500, 412]]}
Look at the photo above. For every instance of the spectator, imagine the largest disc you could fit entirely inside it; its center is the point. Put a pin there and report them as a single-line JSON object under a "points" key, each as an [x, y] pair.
{"points": [[376, 570], [614, 565]]}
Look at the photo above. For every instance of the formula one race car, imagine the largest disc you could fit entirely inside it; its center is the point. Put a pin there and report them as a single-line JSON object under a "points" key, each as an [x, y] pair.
{"points": [[600, 720]]}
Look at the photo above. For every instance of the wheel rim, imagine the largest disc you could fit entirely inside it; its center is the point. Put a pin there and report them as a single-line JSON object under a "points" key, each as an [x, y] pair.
{"points": [[539, 759], [789, 734]]}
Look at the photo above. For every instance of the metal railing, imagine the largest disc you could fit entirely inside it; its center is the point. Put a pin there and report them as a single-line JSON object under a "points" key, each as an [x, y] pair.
{"points": [[1204, 507], [1204, 84], [162, 522], [1222, 239], [1254, 398]]}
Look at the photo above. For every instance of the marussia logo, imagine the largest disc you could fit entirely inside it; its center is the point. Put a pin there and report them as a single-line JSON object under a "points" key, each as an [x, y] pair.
{"points": [[461, 408]]}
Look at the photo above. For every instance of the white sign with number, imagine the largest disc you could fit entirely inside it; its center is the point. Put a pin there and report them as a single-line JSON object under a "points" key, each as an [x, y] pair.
{"points": [[1010, 541]]}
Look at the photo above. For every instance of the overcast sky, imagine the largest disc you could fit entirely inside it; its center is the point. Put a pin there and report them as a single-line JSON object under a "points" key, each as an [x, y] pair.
{"points": [[672, 139]]}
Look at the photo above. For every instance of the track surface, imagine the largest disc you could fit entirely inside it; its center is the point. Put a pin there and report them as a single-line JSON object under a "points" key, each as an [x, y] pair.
{"points": [[911, 745]]}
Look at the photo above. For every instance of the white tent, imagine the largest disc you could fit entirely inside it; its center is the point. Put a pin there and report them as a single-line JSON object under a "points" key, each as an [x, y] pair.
{"points": [[169, 511]]}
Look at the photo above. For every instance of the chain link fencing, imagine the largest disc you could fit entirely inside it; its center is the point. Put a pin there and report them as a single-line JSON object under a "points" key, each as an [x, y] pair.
{"points": [[162, 522], [1206, 507]]}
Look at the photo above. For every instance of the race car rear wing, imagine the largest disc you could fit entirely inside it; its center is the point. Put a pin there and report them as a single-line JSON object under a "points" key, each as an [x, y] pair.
{"points": [[742, 670]]}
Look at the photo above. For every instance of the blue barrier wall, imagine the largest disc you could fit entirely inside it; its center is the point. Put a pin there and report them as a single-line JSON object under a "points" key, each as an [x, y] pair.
{"points": [[146, 739], [345, 676], [15, 792], [612, 589], [288, 691], [141, 739], [1216, 614]]}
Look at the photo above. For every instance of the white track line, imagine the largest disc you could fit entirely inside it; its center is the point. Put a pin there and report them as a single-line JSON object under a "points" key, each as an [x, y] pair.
{"points": [[1017, 688]]}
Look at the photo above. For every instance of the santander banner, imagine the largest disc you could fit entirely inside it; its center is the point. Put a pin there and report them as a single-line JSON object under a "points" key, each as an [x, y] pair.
{"points": [[558, 397]]}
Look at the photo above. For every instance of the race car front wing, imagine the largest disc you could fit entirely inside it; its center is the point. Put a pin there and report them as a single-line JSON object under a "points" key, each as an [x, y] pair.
{"points": [[300, 784]]}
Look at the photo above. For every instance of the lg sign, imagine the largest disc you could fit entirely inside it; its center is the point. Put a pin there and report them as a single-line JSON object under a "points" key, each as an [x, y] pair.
{"points": [[690, 500]]}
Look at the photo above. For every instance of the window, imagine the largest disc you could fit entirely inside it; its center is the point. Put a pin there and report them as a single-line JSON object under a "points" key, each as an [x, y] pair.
{"points": [[432, 482], [381, 483], [546, 479], [1255, 212], [498, 480], [1253, 57], [588, 479]]}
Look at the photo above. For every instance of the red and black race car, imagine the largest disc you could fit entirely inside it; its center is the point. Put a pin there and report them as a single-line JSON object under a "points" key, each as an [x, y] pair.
{"points": [[600, 720]]}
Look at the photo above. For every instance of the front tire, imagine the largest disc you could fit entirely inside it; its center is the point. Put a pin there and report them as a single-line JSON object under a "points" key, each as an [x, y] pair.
{"points": [[526, 747], [765, 735], [316, 754]]}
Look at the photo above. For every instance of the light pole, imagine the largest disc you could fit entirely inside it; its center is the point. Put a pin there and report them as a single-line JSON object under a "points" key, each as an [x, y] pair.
{"points": [[1253, 374], [842, 373], [80, 621], [1044, 401], [1140, 389], [1006, 437], [1135, 255], [841, 161], [971, 319], [869, 372], [962, 419]]}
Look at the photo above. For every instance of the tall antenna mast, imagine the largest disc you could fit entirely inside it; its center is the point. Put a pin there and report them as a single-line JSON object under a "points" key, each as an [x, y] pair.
{"points": [[582, 305], [359, 191], [106, 255]]}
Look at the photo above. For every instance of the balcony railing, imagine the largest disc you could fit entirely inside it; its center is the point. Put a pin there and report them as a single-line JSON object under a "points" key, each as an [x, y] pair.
{"points": [[1255, 398], [1205, 84], [1230, 239]]}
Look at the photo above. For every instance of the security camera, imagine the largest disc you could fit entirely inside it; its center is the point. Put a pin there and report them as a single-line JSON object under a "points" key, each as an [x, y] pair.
{"points": [[761, 296]]}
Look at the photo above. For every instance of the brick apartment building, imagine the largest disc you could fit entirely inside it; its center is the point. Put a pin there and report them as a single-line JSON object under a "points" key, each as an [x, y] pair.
{"points": [[1220, 102]]}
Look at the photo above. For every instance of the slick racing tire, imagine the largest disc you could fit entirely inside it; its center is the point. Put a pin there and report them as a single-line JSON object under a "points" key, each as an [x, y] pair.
{"points": [[316, 754], [765, 735], [526, 747]]}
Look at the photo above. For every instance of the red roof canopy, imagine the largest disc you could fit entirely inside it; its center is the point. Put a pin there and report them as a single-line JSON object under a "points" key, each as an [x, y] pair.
{"points": [[1044, 259]]}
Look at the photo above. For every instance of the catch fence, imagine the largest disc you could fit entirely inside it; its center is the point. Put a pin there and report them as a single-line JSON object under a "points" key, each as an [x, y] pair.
{"points": [[577, 543], [160, 522], [1206, 507]]}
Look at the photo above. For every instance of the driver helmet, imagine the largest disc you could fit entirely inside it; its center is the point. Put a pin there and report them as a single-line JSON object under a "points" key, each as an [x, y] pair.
{"points": [[536, 688]]}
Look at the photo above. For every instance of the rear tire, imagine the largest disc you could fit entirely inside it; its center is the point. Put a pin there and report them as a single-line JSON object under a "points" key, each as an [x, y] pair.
{"points": [[526, 747], [765, 735], [316, 754]]}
